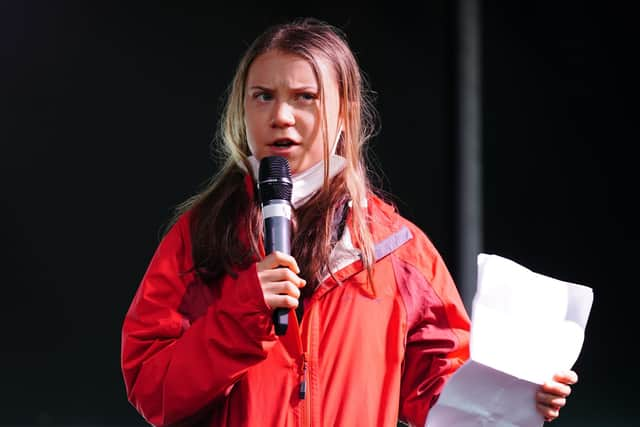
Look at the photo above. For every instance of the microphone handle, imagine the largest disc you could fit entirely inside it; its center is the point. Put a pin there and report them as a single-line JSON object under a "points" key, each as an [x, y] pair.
{"points": [[277, 236], [281, 320]]}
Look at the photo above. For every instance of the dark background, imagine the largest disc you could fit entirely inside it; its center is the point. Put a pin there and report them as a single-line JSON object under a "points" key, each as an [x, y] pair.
{"points": [[107, 115]]}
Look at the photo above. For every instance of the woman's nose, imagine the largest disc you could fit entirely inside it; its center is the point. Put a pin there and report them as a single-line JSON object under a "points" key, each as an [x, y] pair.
{"points": [[283, 115]]}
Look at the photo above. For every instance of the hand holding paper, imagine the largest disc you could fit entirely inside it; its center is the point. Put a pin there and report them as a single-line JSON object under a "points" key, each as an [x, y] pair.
{"points": [[525, 328]]}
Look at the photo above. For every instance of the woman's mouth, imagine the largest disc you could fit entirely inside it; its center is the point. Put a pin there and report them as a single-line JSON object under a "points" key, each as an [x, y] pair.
{"points": [[283, 143]]}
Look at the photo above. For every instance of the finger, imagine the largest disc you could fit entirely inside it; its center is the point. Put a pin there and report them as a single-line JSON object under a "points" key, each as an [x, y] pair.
{"points": [[549, 414], [281, 275], [281, 301], [282, 288], [551, 400], [278, 259], [569, 377], [556, 388]]}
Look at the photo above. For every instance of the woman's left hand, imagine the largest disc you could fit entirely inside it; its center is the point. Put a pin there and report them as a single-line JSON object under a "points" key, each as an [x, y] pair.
{"points": [[552, 395]]}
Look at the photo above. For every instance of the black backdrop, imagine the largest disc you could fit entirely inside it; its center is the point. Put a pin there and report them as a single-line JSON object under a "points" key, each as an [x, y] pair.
{"points": [[107, 115]]}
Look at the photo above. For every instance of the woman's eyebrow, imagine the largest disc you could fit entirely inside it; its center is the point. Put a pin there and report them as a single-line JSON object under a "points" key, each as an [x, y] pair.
{"points": [[311, 88], [294, 88]]}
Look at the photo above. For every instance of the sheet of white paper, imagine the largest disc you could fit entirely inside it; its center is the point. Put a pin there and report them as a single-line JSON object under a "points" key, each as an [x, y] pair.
{"points": [[525, 328]]}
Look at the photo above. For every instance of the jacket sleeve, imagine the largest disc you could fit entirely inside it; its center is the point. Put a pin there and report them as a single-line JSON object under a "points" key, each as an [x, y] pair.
{"points": [[437, 330], [174, 365]]}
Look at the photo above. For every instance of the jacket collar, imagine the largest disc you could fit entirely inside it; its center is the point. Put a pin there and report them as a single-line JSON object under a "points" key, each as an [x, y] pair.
{"points": [[388, 234]]}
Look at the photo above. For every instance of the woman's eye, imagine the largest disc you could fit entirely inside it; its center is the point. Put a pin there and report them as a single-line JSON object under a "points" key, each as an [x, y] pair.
{"points": [[263, 96], [307, 96]]}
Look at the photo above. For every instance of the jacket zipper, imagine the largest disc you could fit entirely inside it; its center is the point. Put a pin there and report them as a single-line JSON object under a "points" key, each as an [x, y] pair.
{"points": [[302, 391], [304, 395]]}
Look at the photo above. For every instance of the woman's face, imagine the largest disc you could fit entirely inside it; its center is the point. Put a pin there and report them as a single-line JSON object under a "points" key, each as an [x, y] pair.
{"points": [[283, 113]]}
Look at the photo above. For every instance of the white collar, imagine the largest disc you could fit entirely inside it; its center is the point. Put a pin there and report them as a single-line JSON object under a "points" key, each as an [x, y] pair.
{"points": [[308, 182]]}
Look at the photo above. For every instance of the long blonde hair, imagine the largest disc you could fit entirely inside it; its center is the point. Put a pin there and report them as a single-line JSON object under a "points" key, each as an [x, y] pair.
{"points": [[224, 195]]}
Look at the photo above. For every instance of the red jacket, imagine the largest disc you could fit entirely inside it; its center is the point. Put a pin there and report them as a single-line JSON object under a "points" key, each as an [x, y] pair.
{"points": [[366, 356]]}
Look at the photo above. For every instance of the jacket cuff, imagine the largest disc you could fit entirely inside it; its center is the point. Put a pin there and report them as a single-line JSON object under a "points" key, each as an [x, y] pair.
{"points": [[252, 310]]}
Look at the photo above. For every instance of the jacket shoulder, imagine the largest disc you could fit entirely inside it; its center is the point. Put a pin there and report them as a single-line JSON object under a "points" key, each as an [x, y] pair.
{"points": [[388, 218]]}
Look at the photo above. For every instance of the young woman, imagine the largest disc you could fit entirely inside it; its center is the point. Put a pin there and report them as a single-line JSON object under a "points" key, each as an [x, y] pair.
{"points": [[380, 326]]}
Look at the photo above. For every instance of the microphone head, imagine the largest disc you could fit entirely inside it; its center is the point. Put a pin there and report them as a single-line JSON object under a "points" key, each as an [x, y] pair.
{"points": [[274, 179]]}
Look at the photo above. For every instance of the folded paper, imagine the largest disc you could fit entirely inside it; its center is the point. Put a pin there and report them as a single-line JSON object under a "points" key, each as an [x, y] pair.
{"points": [[525, 327]]}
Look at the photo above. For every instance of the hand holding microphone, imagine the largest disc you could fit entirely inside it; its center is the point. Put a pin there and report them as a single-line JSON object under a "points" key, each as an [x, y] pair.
{"points": [[278, 271], [280, 286]]}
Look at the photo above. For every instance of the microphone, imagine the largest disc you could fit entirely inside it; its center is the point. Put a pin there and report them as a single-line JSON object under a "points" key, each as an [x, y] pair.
{"points": [[275, 187]]}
